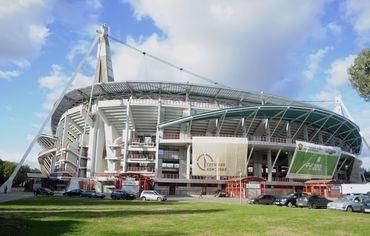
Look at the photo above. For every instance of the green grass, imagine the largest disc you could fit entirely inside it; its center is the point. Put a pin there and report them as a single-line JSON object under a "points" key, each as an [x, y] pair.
{"points": [[77, 216]]}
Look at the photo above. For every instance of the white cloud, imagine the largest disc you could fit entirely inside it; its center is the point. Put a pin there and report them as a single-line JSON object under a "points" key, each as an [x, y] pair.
{"points": [[9, 74], [313, 62], [24, 28], [337, 73], [56, 82], [244, 44], [334, 28], [358, 11], [16, 157], [94, 4]]}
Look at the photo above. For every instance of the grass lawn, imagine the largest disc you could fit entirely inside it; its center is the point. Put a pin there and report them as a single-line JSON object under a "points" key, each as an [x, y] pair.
{"points": [[78, 216]]}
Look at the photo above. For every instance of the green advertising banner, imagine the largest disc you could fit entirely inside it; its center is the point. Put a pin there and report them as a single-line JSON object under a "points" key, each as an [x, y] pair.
{"points": [[312, 161]]}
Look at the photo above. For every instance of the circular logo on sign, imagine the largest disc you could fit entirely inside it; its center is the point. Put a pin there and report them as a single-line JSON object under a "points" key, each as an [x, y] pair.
{"points": [[202, 161]]}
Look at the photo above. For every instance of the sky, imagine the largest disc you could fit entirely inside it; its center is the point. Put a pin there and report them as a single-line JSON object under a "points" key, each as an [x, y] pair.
{"points": [[296, 49]]}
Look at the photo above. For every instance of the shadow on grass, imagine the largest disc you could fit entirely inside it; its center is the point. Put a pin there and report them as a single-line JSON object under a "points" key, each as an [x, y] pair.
{"points": [[22, 226], [90, 214], [79, 201]]}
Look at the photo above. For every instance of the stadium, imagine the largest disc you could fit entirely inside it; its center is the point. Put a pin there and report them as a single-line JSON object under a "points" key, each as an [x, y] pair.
{"points": [[182, 138]]}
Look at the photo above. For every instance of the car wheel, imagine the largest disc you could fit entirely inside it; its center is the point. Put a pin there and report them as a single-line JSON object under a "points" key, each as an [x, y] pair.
{"points": [[290, 204], [143, 198], [159, 199], [349, 209]]}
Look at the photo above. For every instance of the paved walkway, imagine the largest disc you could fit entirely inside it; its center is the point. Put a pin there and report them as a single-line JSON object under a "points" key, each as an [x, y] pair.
{"points": [[14, 196]]}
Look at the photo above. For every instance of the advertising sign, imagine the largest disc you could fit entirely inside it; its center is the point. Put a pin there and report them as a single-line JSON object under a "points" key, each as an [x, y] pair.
{"points": [[219, 156], [313, 161]]}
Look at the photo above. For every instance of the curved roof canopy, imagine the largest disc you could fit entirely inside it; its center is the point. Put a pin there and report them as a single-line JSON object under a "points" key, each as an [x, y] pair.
{"points": [[116, 90], [322, 119]]}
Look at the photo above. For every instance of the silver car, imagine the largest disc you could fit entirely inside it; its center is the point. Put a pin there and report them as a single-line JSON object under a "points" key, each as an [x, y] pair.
{"points": [[152, 195], [348, 203]]}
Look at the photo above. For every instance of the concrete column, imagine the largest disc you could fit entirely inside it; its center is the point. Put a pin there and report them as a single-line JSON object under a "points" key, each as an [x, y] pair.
{"points": [[100, 162], [257, 164], [321, 140], [158, 162], [91, 151], [125, 136], [182, 168], [305, 133], [65, 141], [269, 165], [188, 162]]}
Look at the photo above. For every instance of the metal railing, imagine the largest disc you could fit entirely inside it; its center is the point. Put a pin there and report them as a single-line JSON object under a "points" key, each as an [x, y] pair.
{"points": [[140, 156], [140, 169], [169, 176]]}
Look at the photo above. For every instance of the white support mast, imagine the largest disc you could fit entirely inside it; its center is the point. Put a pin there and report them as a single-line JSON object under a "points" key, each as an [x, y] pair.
{"points": [[9, 182], [340, 108]]}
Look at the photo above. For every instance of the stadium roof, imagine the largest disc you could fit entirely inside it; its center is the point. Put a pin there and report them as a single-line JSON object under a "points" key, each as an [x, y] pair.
{"points": [[114, 90], [319, 118]]}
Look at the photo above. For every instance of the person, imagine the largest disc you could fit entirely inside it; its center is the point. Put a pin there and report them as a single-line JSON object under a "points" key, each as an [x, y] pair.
{"points": [[6, 189], [201, 194]]}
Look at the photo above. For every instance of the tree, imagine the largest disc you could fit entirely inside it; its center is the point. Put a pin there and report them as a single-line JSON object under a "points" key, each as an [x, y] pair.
{"points": [[7, 168], [359, 74]]}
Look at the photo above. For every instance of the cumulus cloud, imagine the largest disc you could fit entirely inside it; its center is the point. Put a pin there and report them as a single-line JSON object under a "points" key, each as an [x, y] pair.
{"points": [[25, 27], [9, 74], [313, 62], [334, 28], [55, 82], [14, 156], [337, 73], [358, 12], [244, 44]]}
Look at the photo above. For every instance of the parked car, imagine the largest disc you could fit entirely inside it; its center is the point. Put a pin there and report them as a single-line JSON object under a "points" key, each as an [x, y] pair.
{"points": [[220, 193], [366, 205], [152, 195], [289, 200], [349, 203], [121, 194], [73, 192], [92, 194], [314, 202], [43, 191], [264, 199]]}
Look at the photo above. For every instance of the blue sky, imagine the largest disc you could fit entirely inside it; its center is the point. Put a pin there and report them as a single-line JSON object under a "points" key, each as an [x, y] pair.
{"points": [[297, 49]]}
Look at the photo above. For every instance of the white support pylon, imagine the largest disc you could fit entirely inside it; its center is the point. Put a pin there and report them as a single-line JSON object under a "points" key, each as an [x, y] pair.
{"points": [[341, 109], [9, 182]]}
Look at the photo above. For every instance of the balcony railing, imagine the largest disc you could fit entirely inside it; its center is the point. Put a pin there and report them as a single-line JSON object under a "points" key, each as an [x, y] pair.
{"points": [[105, 174], [169, 176], [139, 143], [250, 138], [140, 169], [140, 156], [280, 179]]}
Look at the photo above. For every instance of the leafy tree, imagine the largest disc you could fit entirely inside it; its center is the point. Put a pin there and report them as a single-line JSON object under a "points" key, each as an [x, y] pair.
{"points": [[1, 172], [359, 74], [7, 168]]}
